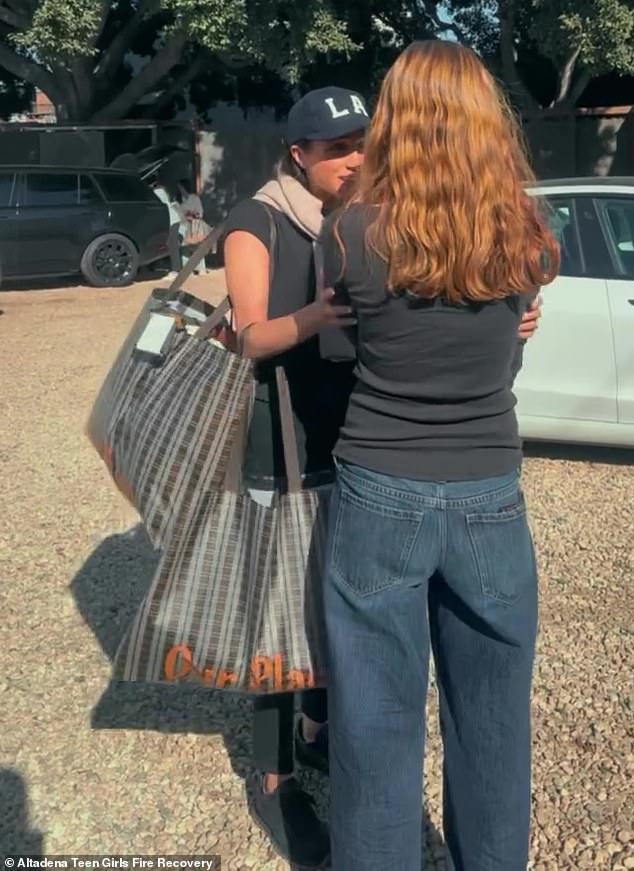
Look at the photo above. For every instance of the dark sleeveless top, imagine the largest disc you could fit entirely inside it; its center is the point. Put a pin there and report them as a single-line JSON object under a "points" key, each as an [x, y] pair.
{"points": [[319, 388]]}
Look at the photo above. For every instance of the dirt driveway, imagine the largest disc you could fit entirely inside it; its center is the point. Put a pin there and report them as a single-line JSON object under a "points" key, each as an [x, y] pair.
{"points": [[89, 768]]}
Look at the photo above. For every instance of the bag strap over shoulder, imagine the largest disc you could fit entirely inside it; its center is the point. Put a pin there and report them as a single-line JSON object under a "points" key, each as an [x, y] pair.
{"points": [[233, 477], [215, 318], [207, 245], [289, 439]]}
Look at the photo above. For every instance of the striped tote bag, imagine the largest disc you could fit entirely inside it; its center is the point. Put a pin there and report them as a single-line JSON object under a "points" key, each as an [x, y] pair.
{"points": [[164, 423], [235, 603], [166, 415]]}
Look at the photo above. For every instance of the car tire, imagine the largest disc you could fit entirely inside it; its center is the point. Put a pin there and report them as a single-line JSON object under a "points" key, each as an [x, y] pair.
{"points": [[111, 260]]}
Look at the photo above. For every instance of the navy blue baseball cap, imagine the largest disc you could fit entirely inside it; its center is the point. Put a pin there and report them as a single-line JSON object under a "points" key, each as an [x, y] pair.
{"points": [[327, 113]]}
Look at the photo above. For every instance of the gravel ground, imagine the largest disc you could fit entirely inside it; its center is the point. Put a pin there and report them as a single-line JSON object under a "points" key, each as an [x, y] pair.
{"points": [[89, 768]]}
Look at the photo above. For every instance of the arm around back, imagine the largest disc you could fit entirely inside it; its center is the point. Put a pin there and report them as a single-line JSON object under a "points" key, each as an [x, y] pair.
{"points": [[338, 343]]}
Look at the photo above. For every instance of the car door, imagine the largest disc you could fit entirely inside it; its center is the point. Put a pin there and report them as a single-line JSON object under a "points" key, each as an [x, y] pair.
{"points": [[7, 224], [569, 368], [47, 220], [617, 218]]}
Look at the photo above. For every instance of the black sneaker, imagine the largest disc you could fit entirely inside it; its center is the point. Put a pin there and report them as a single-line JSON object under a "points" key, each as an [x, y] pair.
{"points": [[313, 754], [289, 819]]}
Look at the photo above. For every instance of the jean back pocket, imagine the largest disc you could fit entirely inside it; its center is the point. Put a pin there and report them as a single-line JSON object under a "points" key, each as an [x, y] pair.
{"points": [[372, 543], [503, 550]]}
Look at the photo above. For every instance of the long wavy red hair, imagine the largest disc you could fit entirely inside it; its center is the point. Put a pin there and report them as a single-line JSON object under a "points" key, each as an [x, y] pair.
{"points": [[446, 167]]}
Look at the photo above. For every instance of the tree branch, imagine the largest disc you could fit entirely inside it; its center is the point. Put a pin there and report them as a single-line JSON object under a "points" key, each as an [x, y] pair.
{"points": [[145, 80], [83, 81], [565, 77], [423, 12], [582, 82], [26, 7], [507, 55], [14, 19], [103, 17], [431, 10], [31, 72], [112, 57], [187, 75], [68, 85]]}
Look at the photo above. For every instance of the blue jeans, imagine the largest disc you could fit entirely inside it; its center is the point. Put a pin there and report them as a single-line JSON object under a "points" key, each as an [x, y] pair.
{"points": [[412, 566]]}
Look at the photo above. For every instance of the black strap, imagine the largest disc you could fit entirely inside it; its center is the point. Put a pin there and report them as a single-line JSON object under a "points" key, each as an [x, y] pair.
{"points": [[214, 319], [289, 438], [201, 251]]}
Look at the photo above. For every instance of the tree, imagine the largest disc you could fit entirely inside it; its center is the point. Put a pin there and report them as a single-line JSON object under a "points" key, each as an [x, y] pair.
{"points": [[548, 51], [76, 51], [16, 95], [381, 29]]}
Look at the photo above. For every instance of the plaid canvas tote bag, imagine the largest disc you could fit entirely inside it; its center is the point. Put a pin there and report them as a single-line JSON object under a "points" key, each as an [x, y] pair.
{"points": [[166, 415], [235, 603]]}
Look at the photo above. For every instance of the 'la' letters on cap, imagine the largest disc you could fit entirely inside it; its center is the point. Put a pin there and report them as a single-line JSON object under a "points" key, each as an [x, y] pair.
{"points": [[327, 113], [357, 105]]}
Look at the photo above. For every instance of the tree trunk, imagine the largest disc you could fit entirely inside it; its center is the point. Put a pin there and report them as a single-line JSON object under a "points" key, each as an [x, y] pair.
{"points": [[177, 86], [143, 82], [76, 92], [566, 75], [606, 144], [29, 71], [507, 55], [579, 86]]}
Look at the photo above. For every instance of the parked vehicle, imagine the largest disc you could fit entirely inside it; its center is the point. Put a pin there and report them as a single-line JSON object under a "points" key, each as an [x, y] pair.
{"points": [[56, 221], [577, 381]]}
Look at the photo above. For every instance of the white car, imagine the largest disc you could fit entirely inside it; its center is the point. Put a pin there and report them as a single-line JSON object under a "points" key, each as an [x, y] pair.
{"points": [[577, 380]]}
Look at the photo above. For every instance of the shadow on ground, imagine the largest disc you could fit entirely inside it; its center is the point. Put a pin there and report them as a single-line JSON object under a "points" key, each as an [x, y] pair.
{"points": [[108, 589], [16, 836], [154, 272], [579, 453]]}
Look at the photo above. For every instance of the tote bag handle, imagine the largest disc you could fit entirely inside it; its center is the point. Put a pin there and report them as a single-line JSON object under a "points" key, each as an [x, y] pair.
{"points": [[233, 477], [215, 318], [289, 438], [202, 250]]}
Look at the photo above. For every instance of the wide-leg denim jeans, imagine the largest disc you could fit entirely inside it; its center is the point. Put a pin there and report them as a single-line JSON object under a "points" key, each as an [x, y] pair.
{"points": [[414, 566]]}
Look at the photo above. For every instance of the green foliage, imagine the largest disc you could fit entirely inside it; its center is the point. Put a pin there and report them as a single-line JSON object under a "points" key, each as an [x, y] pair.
{"points": [[61, 30], [285, 36], [576, 39], [478, 25], [601, 30], [299, 42]]}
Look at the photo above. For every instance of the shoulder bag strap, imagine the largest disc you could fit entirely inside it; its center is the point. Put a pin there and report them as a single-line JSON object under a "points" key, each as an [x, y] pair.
{"points": [[215, 318], [202, 250], [289, 438]]}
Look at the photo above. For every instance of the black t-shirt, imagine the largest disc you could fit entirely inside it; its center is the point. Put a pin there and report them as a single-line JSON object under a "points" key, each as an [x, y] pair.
{"points": [[319, 389], [433, 396]]}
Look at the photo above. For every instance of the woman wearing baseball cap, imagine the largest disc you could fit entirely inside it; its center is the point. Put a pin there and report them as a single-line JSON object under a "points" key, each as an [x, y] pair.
{"points": [[280, 322]]}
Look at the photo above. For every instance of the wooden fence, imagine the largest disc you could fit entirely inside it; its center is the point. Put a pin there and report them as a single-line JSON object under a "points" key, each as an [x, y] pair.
{"points": [[585, 142]]}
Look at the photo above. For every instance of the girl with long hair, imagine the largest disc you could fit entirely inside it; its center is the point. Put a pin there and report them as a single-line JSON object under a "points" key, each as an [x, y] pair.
{"points": [[439, 254]]}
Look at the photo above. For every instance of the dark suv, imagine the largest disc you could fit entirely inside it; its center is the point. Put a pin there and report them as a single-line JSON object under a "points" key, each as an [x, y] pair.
{"points": [[56, 221]]}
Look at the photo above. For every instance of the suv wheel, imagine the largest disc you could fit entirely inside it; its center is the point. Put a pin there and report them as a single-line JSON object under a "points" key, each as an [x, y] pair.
{"points": [[111, 260]]}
